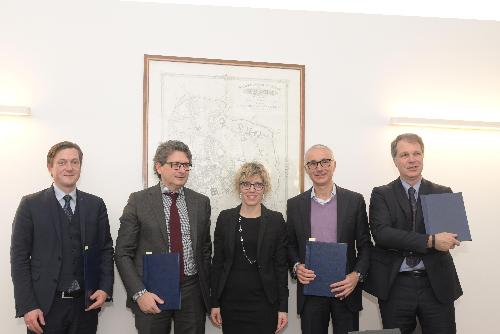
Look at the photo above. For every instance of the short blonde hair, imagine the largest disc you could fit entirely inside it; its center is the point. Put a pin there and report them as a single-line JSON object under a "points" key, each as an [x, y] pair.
{"points": [[250, 169]]}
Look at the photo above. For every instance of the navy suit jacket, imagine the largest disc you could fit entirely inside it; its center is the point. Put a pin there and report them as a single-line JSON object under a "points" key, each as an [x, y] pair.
{"points": [[352, 228], [36, 247], [392, 230]]}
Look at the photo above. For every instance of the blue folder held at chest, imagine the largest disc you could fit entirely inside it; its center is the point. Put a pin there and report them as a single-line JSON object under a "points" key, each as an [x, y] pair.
{"points": [[445, 213], [161, 277], [328, 261]]}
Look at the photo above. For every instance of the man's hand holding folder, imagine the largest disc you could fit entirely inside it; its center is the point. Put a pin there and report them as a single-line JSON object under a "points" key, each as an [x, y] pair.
{"points": [[98, 298], [345, 287], [304, 275], [341, 289], [444, 241], [148, 302]]}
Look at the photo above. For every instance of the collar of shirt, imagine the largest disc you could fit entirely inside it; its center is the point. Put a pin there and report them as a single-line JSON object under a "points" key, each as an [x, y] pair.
{"points": [[60, 194], [165, 190], [324, 201], [407, 186]]}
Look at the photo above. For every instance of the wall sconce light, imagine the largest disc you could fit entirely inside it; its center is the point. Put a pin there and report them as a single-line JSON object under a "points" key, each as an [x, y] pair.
{"points": [[15, 111], [445, 123]]}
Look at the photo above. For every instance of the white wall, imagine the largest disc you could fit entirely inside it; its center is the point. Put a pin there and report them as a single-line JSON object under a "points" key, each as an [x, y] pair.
{"points": [[79, 65]]}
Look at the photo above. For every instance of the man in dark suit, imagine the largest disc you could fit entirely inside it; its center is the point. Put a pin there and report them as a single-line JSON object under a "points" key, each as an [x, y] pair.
{"points": [[328, 213], [411, 273], [167, 217], [50, 231]]}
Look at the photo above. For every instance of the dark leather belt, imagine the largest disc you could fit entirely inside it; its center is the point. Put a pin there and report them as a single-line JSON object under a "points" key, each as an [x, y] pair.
{"points": [[414, 273], [69, 295]]}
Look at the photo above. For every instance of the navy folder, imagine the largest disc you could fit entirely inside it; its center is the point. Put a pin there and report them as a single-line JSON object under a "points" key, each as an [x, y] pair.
{"points": [[445, 213], [91, 272], [328, 261], [161, 277]]}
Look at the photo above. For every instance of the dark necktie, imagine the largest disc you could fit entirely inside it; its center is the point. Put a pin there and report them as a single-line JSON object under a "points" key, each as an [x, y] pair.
{"points": [[67, 207], [175, 231], [412, 260], [69, 213]]}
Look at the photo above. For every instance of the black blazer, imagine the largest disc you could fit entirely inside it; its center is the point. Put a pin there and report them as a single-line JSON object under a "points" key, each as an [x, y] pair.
{"points": [[271, 255], [392, 230], [352, 228], [36, 248], [143, 228]]}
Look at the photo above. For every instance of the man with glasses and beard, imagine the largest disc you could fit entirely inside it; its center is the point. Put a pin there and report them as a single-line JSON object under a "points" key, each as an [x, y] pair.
{"points": [[328, 213]]}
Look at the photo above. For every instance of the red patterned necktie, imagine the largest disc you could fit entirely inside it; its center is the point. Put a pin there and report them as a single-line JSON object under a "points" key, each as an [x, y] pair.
{"points": [[175, 232]]}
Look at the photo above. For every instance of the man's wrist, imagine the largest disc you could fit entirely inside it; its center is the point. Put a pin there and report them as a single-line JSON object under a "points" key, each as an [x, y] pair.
{"points": [[295, 268], [431, 241], [138, 295]]}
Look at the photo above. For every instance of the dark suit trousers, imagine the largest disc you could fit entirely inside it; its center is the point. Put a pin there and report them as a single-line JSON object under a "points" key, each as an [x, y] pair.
{"points": [[315, 317], [68, 316], [412, 297], [190, 319]]}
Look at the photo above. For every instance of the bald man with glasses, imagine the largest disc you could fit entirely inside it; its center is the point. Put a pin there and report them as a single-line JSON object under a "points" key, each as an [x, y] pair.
{"points": [[328, 213]]}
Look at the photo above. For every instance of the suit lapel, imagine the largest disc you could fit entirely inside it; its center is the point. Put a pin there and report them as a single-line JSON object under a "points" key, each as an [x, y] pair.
{"points": [[192, 214], [262, 228], [305, 210], [402, 199], [157, 210], [50, 198], [341, 204], [81, 200]]}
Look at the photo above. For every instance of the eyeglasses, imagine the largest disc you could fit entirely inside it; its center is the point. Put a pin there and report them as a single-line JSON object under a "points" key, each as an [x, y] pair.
{"points": [[313, 164], [247, 185], [177, 165]]}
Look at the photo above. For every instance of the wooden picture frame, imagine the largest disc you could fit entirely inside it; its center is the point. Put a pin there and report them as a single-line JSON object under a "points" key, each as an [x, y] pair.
{"points": [[228, 112]]}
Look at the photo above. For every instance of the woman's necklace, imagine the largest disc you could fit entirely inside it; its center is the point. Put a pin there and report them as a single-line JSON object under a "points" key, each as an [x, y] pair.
{"points": [[243, 243]]}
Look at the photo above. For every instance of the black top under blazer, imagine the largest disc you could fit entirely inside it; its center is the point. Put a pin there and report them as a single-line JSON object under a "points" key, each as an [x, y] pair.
{"points": [[392, 230], [271, 255]]}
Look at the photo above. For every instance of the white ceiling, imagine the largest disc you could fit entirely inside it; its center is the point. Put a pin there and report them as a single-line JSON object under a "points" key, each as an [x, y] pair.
{"points": [[464, 9]]}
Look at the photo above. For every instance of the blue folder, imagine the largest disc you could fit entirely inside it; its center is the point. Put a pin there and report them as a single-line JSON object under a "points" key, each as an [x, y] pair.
{"points": [[445, 213], [161, 277], [91, 272], [328, 261]]}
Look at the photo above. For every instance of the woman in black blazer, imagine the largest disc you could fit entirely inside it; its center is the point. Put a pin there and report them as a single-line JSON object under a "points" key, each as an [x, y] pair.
{"points": [[249, 283]]}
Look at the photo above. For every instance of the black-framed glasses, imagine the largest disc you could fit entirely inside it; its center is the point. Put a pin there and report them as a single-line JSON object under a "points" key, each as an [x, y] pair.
{"points": [[313, 164], [258, 186], [177, 165]]}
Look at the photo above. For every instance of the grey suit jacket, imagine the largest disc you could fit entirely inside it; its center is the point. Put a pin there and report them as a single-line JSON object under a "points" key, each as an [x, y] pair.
{"points": [[36, 247], [143, 229]]}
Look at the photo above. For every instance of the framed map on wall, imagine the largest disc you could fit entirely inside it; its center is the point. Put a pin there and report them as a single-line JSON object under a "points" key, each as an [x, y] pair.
{"points": [[228, 112]]}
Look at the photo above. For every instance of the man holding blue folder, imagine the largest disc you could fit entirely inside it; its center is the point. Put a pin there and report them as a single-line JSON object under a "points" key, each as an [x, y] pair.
{"points": [[167, 218], [328, 213], [53, 233], [411, 273]]}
